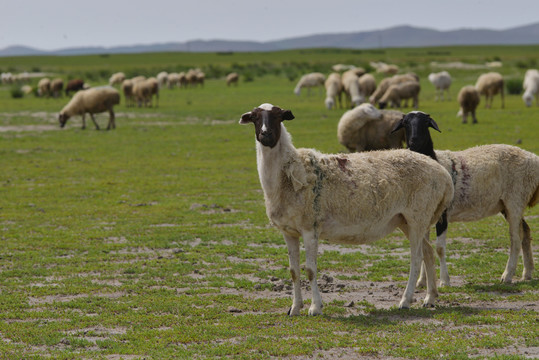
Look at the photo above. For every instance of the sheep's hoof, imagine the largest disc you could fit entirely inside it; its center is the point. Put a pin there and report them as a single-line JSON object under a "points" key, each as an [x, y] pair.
{"points": [[428, 305], [294, 311], [314, 311]]}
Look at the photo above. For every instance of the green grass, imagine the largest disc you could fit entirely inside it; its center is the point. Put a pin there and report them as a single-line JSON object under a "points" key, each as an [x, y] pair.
{"points": [[151, 241]]}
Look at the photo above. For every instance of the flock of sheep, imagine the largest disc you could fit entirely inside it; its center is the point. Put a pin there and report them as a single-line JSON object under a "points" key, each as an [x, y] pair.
{"points": [[362, 196]]}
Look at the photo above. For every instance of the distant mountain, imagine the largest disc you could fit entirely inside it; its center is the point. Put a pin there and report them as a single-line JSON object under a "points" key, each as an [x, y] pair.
{"points": [[399, 36]]}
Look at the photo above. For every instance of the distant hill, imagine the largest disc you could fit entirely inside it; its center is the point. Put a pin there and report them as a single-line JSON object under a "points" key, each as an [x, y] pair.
{"points": [[399, 36]]}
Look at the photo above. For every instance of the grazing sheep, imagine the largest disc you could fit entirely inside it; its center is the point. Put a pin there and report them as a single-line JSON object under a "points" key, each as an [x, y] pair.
{"points": [[490, 84], [127, 89], [182, 79], [367, 85], [442, 82], [7, 78], [366, 128], [387, 82], [116, 78], [172, 80], [350, 83], [232, 78], [74, 86], [57, 85], [44, 87], [309, 81], [143, 92], [334, 89], [162, 79], [26, 89], [488, 179], [398, 92], [349, 198], [136, 79], [531, 87], [93, 101], [468, 100], [342, 67]]}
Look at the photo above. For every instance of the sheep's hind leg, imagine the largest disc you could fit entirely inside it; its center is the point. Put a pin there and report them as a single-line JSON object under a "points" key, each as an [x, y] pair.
{"points": [[112, 121], [293, 257], [416, 257], [441, 234], [95, 122], [516, 235], [428, 263], [527, 255], [311, 252]]}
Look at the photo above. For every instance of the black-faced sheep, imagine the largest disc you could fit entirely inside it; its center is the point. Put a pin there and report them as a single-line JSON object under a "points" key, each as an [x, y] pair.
{"points": [[490, 84], [93, 101], [366, 128], [488, 180], [309, 81], [349, 198], [468, 100], [442, 82], [531, 87], [334, 90]]}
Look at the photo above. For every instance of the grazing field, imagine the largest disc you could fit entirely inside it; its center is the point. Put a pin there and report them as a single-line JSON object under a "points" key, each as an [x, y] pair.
{"points": [[151, 241]]}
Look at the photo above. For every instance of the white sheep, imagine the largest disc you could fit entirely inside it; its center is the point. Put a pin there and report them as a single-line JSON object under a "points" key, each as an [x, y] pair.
{"points": [[398, 92], [350, 83], [490, 84], [442, 82], [127, 89], [162, 79], [309, 81], [334, 90], [56, 87], [367, 85], [143, 92], [385, 83], [468, 99], [348, 198], [93, 101], [172, 80], [232, 78], [44, 87], [531, 87], [488, 180], [366, 128], [116, 78]]}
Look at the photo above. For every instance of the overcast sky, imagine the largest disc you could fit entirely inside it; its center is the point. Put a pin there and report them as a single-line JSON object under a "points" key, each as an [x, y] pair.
{"points": [[57, 24]]}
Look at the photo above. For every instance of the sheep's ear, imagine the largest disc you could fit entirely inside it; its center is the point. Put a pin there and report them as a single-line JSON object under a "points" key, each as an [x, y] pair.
{"points": [[398, 125], [287, 115], [246, 119], [433, 124]]}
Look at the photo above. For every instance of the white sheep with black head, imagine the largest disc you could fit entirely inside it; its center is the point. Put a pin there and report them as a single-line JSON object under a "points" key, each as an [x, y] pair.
{"points": [[488, 180], [348, 198]]}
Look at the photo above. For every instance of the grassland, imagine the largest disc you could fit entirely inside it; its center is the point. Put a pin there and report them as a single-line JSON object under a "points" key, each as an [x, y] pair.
{"points": [[151, 241]]}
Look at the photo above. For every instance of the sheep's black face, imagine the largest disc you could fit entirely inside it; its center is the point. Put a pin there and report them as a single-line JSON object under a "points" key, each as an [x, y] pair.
{"points": [[62, 118], [267, 120], [416, 127]]}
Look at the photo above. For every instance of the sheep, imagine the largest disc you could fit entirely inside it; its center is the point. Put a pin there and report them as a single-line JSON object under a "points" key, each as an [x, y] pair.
{"points": [[26, 89], [56, 87], [93, 101], [366, 128], [367, 85], [143, 91], [172, 80], [162, 79], [490, 84], [44, 87], [334, 88], [468, 100], [136, 79], [488, 179], [74, 85], [349, 198], [308, 81], [387, 82], [350, 83], [232, 78], [403, 91], [116, 78], [127, 89], [182, 79], [442, 82], [531, 87]]}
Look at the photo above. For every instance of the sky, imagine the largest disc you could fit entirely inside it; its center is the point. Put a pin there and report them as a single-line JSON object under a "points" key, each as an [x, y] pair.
{"points": [[59, 24]]}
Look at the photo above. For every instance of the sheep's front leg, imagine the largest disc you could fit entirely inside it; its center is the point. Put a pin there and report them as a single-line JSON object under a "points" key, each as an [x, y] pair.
{"points": [[516, 233], [311, 252], [293, 257], [441, 235], [83, 121], [428, 263], [416, 257], [95, 122], [112, 121]]}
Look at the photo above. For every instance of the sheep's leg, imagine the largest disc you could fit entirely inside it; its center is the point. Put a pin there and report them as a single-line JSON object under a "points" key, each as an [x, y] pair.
{"points": [[311, 252], [474, 118], [112, 120], [516, 235], [428, 263], [416, 257], [95, 122], [441, 234], [83, 122], [293, 257], [422, 281], [527, 255]]}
